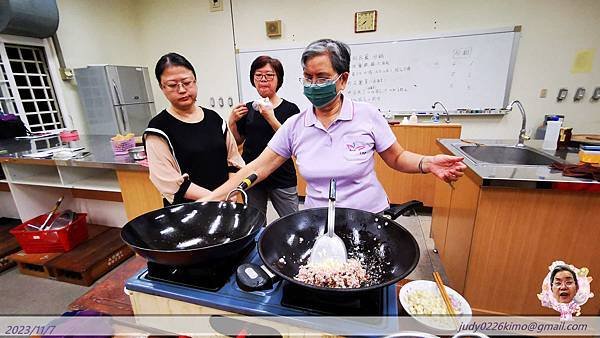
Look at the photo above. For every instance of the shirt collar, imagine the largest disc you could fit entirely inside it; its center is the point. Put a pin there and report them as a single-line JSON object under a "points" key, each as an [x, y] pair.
{"points": [[346, 114]]}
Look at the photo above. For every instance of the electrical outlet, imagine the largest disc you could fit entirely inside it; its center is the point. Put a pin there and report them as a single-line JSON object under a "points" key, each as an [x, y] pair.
{"points": [[215, 5], [579, 93], [543, 93]]}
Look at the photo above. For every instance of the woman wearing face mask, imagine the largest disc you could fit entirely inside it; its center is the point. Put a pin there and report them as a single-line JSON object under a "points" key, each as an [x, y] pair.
{"points": [[256, 126], [337, 138], [190, 149]]}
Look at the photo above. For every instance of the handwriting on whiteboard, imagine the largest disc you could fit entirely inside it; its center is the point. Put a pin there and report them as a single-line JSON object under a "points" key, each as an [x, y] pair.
{"points": [[372, 77], [377, 78]]}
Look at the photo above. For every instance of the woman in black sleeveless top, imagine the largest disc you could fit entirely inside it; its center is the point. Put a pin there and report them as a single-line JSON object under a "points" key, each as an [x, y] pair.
{"points": [[254, 125], [190, 149]]}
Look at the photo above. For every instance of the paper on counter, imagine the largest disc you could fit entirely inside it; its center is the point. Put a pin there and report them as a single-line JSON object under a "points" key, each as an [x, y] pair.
{"points": [[65, 153]]}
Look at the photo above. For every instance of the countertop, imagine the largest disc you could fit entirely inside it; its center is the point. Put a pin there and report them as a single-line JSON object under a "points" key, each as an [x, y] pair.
{"points": [[523, 176], [426, 124], [99, 146]]}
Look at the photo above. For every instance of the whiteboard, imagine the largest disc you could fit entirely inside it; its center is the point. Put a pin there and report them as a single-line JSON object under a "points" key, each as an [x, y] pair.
{"points": [[463, 71]]}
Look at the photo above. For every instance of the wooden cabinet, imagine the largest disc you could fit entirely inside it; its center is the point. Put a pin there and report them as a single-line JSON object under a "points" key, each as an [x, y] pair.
{"points": [[139, 194], [109, 196], [35, 185], [496, 243], [421, 139]]}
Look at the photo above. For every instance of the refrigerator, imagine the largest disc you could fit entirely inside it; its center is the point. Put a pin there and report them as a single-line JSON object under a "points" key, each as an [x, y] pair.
{"points": [[115, 99]]}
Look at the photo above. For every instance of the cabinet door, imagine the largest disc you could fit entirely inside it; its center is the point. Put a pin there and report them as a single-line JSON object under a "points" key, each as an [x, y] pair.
{"points": [[139, 194], [439, 217], [459, 232]]}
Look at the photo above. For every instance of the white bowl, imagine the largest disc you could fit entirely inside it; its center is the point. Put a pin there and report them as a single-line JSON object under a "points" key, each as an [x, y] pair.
{"points": [[438, 322]]}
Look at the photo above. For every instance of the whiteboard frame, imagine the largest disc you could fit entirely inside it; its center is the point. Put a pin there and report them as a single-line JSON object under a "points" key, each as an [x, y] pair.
{"points": [[513, 55]]}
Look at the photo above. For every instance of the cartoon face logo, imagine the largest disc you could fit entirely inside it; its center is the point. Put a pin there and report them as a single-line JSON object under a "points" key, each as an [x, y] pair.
{"points": [[564, 284], [565, 289]]}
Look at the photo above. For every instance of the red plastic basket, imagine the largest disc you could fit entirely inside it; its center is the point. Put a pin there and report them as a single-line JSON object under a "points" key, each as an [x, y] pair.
{"points": [[59, 240]]}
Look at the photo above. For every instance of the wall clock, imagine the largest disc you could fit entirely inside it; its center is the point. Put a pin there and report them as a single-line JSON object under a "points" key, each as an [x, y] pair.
{"points": [[365, 21]]}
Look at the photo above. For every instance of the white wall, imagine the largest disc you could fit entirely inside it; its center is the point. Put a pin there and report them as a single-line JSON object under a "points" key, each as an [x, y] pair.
{"points": [[204, 38], [96, 32], [553, 32], [139, 32]]}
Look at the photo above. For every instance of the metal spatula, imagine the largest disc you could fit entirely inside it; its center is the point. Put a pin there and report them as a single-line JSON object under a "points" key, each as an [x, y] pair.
{"points": [[329, 246]]}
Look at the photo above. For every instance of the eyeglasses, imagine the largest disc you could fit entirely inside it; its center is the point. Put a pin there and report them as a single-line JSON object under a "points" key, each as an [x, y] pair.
{"points": [[267, 76], [319, 82], [173, 86], [568, 283]]}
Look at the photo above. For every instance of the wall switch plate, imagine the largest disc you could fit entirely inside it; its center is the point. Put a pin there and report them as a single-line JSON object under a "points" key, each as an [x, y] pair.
{"points": [[562, 94], [273, 28], [543, 93], [579, 93], [215, 5]]}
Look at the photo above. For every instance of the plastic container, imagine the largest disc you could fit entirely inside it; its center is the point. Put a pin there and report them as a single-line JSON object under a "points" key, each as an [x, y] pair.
{"points": [[59, 240], [552, 133], [540, 131], [589, 156], [413, 119], [122, 147], [69, 135]]}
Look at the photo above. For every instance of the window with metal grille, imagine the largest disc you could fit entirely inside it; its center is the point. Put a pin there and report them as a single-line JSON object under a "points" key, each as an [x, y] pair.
{"points": [[26, 88]]}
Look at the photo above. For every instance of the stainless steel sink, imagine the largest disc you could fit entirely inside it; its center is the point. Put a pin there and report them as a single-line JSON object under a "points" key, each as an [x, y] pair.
{"points": [[498, 154]]}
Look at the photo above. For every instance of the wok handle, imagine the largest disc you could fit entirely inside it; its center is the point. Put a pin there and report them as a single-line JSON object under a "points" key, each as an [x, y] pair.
{"points": [[395, 211], [244, 185], [248, 181], [332, 189], [252, 277]]}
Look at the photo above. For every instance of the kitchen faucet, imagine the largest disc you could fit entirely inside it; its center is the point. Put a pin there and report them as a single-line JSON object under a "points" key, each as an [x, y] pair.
{"points": [[522, 134], [447, 115]]}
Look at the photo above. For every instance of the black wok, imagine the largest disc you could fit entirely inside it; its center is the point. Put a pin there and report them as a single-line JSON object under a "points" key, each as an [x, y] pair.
{"points": [[193, 233], [386, 249]]}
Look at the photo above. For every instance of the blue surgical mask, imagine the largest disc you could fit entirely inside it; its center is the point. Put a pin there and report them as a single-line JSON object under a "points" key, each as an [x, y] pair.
{"points": [[321, 95]]}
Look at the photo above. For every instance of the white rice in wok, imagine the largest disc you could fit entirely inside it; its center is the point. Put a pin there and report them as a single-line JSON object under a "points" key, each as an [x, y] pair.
{"points": [[333, 274]]}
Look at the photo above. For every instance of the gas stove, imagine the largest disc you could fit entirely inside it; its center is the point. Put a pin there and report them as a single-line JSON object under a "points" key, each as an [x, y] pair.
{"points": [[217, 288]]}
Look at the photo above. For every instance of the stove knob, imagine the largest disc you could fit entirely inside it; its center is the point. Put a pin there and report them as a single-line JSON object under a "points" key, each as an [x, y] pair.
{"points": [[251, 277]]}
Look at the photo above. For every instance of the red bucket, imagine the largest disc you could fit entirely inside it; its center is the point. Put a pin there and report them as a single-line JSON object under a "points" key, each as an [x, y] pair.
{"points": [[59, 240]]}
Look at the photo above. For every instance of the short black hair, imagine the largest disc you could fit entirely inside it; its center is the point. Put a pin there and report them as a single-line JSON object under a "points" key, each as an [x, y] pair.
{"points": [[170, 60], [560, 268], [262, 61]]}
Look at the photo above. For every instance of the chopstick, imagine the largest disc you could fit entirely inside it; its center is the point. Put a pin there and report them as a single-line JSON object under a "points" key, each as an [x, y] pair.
{"points": [[442, 288]]}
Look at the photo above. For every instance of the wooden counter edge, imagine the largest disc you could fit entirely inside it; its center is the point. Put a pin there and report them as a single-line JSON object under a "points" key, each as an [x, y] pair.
{"points": [[427, 125]]}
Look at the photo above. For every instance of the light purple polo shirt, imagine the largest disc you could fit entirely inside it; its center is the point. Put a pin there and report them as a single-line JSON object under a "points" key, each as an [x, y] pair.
{"points": [[344, 151]]}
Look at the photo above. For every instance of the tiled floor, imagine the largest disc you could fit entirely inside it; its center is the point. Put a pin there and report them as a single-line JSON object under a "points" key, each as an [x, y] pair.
{"points": [[22, 294]]}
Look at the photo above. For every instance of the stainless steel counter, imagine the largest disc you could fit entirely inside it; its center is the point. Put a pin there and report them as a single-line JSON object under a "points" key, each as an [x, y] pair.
{"points": [[522, 176], [99, 146]]}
